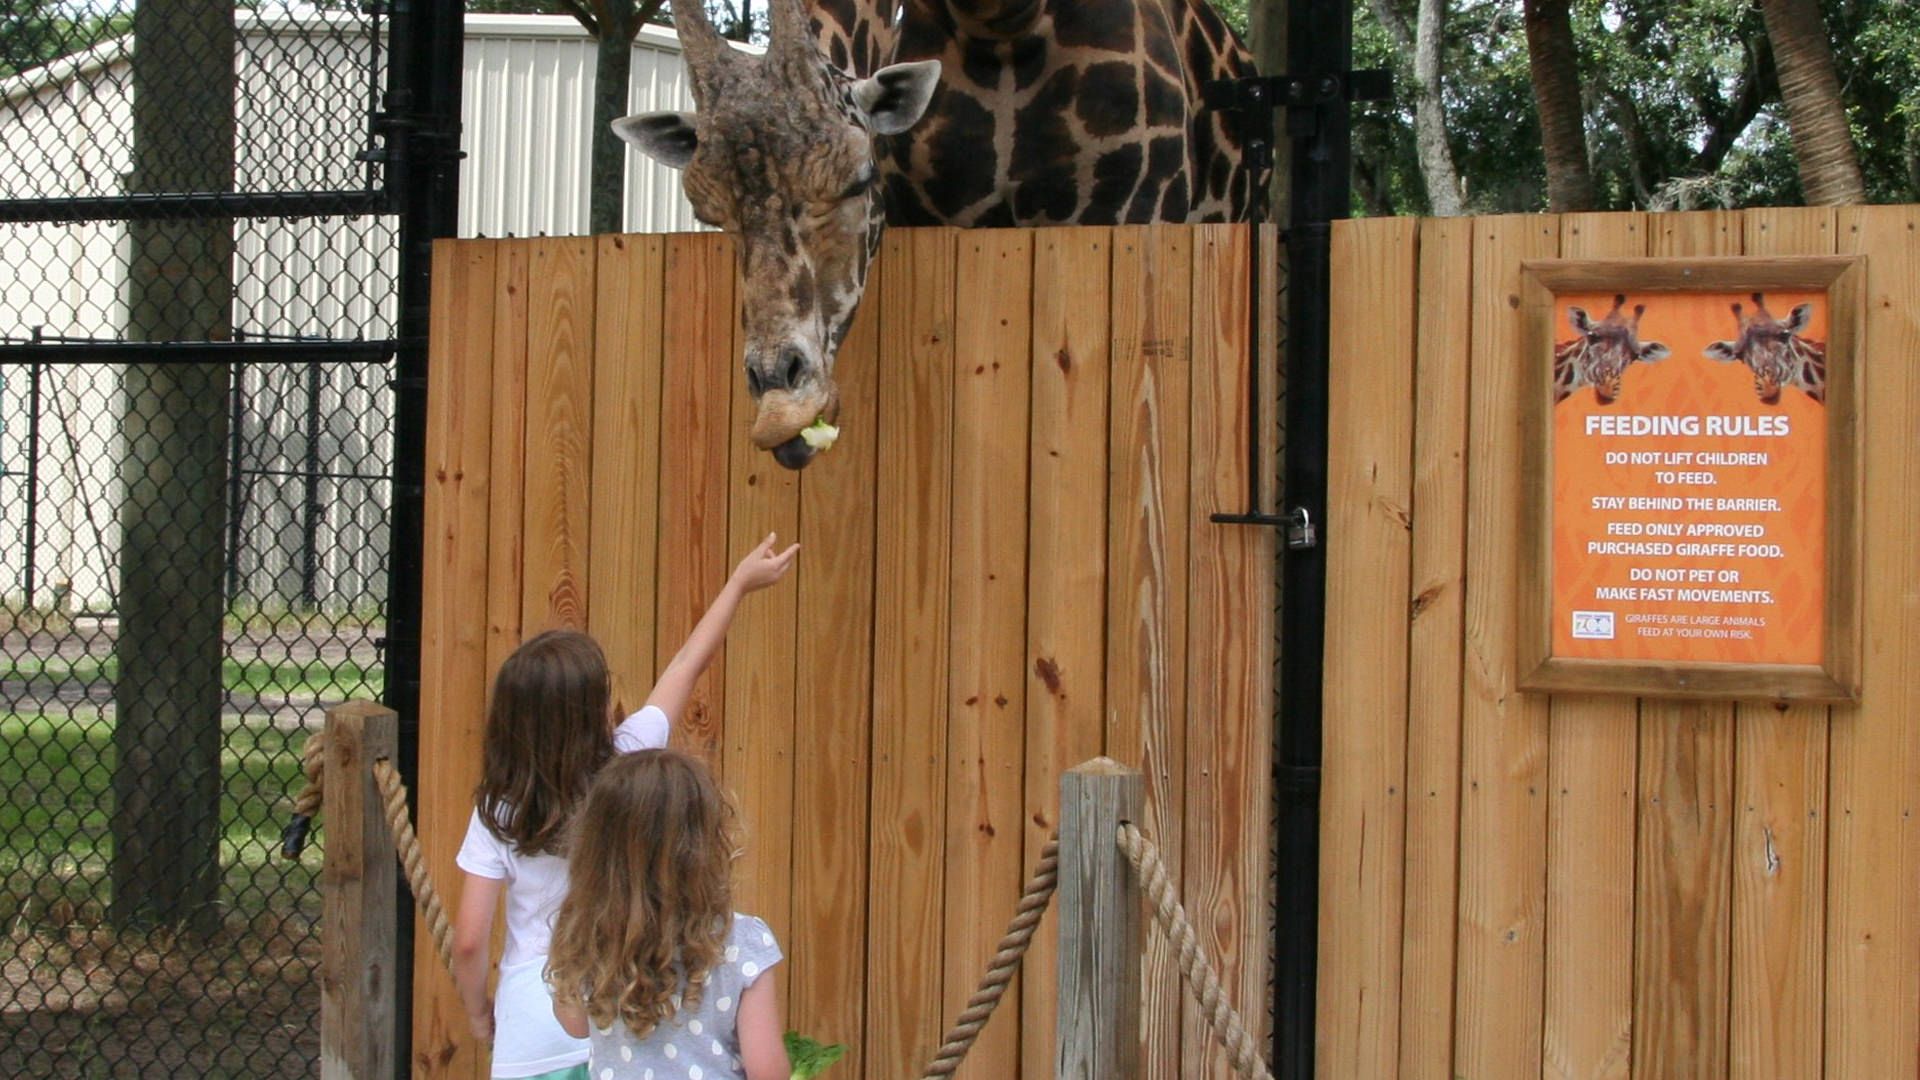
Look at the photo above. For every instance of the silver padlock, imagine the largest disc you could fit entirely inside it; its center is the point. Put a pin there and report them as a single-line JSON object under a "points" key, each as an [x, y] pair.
{"points": [[1301, 534]]}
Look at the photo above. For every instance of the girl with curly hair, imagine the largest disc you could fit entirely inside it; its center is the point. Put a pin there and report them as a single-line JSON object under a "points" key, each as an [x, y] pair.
{"points": [[649, 958]]}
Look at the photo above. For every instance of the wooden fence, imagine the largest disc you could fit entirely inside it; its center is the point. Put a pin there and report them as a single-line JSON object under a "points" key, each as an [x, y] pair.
{"points": [[1514, 885], [1008, 567]]}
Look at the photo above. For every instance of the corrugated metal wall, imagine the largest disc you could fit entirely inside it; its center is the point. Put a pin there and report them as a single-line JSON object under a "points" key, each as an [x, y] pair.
{"points": [[527, 119]]}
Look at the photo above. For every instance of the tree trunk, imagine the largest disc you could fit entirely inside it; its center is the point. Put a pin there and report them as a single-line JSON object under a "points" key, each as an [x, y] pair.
{"points": [[1816, 116], [1556, 94], [613, 64], [1430, 117], [168, 693]]}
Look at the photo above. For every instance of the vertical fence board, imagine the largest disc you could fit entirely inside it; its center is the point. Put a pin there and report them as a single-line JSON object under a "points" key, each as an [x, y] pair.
{"points": [[762, 497], [1780, 806], [559, 440], [1435, 606], [1364, 740], [623, 534], [453, 650], [506, 545], [833, 704], [697, 388], [1588, 1013], [1230, 672], [1146, 557], [1503, 811], [1682, 927], [1066, 555], [908, 812], [1873, 934], [987, 688], [1683, 934]]}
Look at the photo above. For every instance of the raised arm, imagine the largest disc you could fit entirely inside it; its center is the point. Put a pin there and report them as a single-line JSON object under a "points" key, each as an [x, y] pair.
{"points": [[761, 568]]}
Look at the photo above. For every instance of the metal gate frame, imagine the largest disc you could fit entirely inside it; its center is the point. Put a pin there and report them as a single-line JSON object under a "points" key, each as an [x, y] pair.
{"points": [[418, 130]]}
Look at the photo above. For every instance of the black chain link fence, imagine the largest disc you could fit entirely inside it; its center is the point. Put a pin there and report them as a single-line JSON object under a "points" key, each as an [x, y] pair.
{"points": [[197, 282]]}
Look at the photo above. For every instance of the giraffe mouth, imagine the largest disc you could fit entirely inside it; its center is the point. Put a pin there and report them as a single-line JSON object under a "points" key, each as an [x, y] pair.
{"points": [[784, 414]]}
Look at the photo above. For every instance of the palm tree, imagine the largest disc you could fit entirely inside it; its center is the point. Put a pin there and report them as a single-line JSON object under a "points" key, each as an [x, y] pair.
{"points": [[1556, 92], [1816, 117]]}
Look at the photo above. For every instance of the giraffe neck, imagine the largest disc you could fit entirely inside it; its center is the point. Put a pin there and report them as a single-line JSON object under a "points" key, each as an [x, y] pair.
{"points": [[1566, 370]]}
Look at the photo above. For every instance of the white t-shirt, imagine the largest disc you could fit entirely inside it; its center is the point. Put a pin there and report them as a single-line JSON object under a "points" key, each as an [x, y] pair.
{"points": [[527, 1040]]}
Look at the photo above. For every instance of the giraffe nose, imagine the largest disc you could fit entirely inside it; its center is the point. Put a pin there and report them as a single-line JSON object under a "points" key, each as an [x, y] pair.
{"points": [[783, 372]]}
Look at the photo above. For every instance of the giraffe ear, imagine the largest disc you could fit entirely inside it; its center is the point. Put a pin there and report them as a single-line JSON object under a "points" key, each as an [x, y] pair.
{"points": [[1578, 318], [1798, 318], [1652, 352], [1722, 351], [896, 96], [666, 137]]}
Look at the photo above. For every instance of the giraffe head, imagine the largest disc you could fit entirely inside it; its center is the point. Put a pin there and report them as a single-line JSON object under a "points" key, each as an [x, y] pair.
{"points": [[1774, 350], [780, 153], [1600, 355]]}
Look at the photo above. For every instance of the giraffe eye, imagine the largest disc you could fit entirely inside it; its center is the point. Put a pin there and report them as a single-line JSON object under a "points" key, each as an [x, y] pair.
{"points": [[861, 185]]}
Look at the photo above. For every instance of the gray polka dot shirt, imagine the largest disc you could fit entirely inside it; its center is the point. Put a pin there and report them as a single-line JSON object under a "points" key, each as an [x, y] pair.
{"points": [[698, 1044]]}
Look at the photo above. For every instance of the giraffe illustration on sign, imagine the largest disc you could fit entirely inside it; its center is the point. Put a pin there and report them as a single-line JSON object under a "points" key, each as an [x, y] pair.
{"points": [[1776, 353], [958, 112], [1599, 356]]}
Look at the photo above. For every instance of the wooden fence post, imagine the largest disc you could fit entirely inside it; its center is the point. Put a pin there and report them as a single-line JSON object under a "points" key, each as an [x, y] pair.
{"points": [[357, 994], [1098, 1017]]}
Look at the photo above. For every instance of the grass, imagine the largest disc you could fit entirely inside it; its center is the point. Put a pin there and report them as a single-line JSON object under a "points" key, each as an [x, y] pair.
{"points": [[55, 826], [318, 679]]}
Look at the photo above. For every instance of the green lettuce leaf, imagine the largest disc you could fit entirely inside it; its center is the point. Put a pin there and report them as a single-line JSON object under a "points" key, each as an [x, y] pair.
{"points": [[809, 1058]]}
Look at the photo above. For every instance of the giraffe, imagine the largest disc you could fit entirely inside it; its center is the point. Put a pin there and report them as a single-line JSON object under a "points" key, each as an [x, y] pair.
{"points": [[1778, 356], [961, 112], [1600, 355]]}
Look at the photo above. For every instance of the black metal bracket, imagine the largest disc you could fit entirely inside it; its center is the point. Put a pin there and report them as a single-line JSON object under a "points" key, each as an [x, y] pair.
{"points": [[1255, 98], [1298, 93]]}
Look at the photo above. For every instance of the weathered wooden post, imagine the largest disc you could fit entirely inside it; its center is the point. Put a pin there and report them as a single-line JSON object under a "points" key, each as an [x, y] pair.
{"points": [[1101, 922], [357, 994]]}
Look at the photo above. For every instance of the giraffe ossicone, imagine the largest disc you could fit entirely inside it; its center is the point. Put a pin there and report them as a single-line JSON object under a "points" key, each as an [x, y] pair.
{"points": [[1050, 112]]}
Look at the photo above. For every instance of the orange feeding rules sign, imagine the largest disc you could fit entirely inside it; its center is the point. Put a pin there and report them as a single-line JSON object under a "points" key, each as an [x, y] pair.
{"points": [[1689, 510], [1687, 479]]}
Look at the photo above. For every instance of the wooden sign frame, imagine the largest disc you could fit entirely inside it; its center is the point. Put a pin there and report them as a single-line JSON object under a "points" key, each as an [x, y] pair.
{"points": [[1836, 678]]}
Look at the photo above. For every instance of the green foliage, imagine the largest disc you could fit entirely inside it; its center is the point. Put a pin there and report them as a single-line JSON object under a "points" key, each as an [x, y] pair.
{"points": [[1669, 123], [35, 32], [808, 1058]]}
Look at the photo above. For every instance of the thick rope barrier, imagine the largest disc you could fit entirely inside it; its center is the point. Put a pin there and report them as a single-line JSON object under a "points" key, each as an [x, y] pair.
{"points": [[313, 762], [1201, 979], [407, 846], [1199, 973], [1006, 958], [406, 843]]}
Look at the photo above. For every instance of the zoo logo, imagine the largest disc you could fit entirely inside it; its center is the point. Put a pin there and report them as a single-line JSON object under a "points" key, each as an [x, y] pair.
{"points": [[1593, 624]]}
